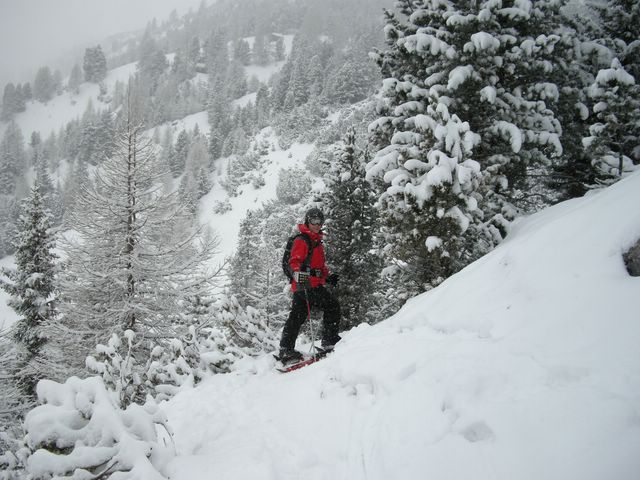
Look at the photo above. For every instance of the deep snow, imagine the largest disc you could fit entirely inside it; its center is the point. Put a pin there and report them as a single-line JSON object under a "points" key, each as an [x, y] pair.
{"points": [[524, 365]]}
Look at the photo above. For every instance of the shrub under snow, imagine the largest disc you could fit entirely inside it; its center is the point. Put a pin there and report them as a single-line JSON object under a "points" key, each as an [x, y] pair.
{"points": [[79, 432]]}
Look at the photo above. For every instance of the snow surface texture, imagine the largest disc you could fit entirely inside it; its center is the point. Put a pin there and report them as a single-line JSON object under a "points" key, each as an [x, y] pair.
{"points": [[522, 366]]}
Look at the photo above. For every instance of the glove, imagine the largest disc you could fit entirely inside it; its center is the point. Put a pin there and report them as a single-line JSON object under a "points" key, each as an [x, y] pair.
{"points": [[333, 279], [301, 278]]}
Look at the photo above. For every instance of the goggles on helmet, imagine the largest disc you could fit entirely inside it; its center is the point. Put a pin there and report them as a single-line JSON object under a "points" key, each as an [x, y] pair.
{"points": [[315, 221]]}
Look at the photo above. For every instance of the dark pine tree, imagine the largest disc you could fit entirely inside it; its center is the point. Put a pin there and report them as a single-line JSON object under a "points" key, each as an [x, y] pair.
{"points": [[31, 287], [352, 219], [95, 64]]}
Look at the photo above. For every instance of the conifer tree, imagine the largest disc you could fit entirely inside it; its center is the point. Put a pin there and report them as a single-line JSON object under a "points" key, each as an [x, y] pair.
{"points": [[22, 95], [193, 52], [242, 52], [51, 152], [219, 112], [259, 52], [95, 64], [44, 86], [281, 87], [235, 80], [151, 65], [31, 287], [216, 53], [180, 153], [75, 79], [77, 179], [315, 76], [279, 53], [13, 158], [137, 255], [57, 82], [9, 102], [620, 20], [351, 223], [255, 272], [262, 107], [615, 134], [48, 190], [166, 152], [466, 94], [27, 93]]}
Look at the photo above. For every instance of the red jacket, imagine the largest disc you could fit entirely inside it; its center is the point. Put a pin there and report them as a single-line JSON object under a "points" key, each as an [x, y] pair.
{"points": [[299, 252]]}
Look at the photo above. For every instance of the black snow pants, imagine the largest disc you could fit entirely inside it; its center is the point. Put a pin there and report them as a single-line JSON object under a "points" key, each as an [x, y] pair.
{"points": [[318, 297]]}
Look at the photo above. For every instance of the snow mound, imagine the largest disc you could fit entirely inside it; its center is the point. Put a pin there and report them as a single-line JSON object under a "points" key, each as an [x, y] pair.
{"points": [[524, 365]]}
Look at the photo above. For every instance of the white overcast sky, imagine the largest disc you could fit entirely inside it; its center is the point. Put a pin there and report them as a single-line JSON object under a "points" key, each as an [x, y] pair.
{"points": [[34, 33]]}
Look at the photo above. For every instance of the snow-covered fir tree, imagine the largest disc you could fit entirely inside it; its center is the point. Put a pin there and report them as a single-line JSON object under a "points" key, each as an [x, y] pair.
{"points": [[195, 181], [351, 225], [14, 100], [615, 134], [151, 65], [9, 213], [178, 160], [95, 64], [44, 87], [31, 287], [619, 19], [75, 79], [135, 254], [13, 158], [255, 271], [465, 95]]}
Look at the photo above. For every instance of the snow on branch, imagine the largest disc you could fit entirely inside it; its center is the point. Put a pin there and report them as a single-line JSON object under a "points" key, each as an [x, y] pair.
{"points": [[459, 75], [482, 41], [425, 43], [79, 432], [488, 94], [615, 74], [511, 131], [521, 10]]}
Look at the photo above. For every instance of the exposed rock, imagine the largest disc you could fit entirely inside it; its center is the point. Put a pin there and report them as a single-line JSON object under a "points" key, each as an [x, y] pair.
{"points": [[632, 260]]}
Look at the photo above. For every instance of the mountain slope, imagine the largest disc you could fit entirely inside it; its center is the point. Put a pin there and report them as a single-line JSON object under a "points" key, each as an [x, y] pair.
{"points": [[522, 366]]}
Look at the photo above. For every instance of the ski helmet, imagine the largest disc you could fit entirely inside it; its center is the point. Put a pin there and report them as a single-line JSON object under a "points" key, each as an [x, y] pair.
{"points": [[315, 216]]}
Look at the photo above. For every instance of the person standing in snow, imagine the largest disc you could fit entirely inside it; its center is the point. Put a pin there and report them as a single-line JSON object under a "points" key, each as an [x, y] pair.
{"points": [[309, 276]]}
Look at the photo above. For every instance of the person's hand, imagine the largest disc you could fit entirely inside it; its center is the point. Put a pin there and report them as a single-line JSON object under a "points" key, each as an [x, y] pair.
{"points": [[333, 279], [301, 278]]}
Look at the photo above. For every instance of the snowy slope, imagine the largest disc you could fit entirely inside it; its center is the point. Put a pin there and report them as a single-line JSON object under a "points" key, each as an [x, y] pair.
{"points": [[525, 365], [227, 225], [47, 118]]}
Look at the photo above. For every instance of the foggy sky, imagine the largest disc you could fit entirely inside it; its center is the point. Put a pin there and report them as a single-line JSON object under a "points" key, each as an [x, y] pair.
{"points": [[34, 33]]}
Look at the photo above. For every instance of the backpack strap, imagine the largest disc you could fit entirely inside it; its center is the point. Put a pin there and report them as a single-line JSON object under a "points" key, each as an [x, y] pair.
{"points": [[311, 247], [307, 261]]}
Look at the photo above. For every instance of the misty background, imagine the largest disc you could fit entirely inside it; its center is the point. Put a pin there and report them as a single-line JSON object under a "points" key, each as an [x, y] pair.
{"points": [[44, 32]]}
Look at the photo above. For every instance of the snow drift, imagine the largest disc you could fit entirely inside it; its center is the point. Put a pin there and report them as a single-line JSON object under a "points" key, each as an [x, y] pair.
{"points": [[524, 365]]}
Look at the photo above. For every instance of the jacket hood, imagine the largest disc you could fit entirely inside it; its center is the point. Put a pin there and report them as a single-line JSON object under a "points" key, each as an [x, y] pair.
{"points": [[313, 236]]}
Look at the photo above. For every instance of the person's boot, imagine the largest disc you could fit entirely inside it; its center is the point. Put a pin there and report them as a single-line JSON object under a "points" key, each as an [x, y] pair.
{"points": [[289, 355], [325, 348]]}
